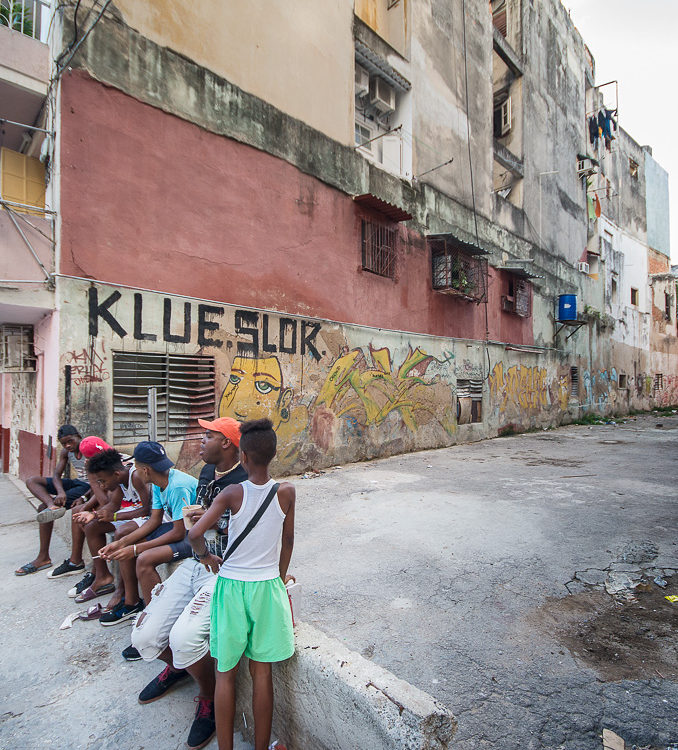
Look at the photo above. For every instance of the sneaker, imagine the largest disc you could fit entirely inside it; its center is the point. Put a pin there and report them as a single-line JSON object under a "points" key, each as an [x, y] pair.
{"points": [[275, 745], [86, 581], [121, 613], [159, 685], [204, 726], [131, 654], [67, 568]]}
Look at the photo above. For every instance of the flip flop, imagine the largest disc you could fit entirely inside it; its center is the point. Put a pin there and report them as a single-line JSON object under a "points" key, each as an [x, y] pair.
{"points": [[93, 613], [50, 514], [89, 594], [29, 568]]}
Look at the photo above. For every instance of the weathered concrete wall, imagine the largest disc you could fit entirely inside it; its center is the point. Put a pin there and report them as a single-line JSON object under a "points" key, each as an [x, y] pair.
{"points": [[16, 260], [361, 704], [299, 59], [657, 205]]}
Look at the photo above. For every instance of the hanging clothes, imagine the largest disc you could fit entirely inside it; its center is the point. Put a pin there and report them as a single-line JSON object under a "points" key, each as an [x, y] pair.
{"points": [[593, 132], [591, 207], [597, 208]]}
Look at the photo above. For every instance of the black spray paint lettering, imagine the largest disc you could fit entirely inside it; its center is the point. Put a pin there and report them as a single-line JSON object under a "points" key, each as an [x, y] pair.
{"points": [[247, 324], [290, 332]]}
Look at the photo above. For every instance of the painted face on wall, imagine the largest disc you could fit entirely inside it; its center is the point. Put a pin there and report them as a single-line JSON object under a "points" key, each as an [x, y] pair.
{"points": [[255, 390]]}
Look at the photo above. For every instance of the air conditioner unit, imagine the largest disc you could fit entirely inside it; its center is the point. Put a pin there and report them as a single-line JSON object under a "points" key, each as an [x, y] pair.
{"points": [[362, 80], [382, 96], [585, 168], [583, 267]]}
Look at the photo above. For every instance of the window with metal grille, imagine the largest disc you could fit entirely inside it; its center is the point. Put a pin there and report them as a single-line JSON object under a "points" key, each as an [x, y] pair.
{"points": [[18, 354], [185, 386], [457, 272], [379, 248], [519, 298], [469, 401], [574, 382]]}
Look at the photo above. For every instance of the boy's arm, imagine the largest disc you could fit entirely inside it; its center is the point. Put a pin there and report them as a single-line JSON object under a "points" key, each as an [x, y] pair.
{"points": [[287, 500], [135, 536], [144, 492], [111, 506], [228, 499], [175, 534]]}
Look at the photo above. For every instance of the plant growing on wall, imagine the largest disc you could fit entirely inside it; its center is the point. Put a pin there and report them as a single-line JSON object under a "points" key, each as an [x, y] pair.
{"points": [[17, 16]]}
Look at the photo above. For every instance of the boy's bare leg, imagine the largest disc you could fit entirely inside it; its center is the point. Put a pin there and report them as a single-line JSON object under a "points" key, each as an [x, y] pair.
{"points": [[128, 574], [95, 532], [36, 486], [146, 568], [224, 707], [262, 702], [77, 541], [45, 532], [203, 673]]}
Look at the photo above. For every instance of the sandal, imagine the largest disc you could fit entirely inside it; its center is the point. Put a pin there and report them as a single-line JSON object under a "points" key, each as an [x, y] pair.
{"points": [[29, 568], [93, 613], [90, 593], [50, 514]]}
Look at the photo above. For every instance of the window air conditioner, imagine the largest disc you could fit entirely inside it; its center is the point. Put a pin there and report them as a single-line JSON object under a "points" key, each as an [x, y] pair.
{"points": [[362, 80], [583, 267], [585, 168], [382, 96]]}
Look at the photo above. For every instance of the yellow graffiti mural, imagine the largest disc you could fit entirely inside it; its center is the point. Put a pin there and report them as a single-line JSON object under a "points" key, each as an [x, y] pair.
{"points": [[370, 391], [255, 390], [522, 387]]}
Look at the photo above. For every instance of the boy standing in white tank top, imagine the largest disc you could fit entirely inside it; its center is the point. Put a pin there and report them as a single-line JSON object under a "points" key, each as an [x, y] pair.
{"points": [[250, 609]]}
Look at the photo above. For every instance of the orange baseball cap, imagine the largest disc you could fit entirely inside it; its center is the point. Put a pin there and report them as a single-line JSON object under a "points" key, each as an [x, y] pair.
{"points": [[92, 445], [228, 427]]}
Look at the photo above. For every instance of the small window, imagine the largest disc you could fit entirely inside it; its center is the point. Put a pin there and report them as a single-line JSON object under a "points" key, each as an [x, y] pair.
{"points": [[623, 381], [593, 260], [658, 383], [379, 248], [502, 115], [633, 169], [363, 136], [469, 401], [667, 306], [614, 290], [574, 382], [634, 296], [499, 17], [185, 386], [18, 354]]}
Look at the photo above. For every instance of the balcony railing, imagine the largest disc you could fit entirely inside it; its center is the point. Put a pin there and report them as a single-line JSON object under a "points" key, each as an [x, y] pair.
{"points": [[29, 17]]}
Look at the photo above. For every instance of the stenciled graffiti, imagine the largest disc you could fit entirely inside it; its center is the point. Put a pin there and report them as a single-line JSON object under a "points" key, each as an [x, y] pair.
{"points": [[525, 388], [87, 365], [369, 390]]}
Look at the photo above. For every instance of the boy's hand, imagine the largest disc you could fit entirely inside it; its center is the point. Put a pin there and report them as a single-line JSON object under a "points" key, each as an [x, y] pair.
{"points": [[60, 499], [212, 563], [104, 514], [196, 515], [109, 549], [83, 517], [289, 578], [126, 553]]}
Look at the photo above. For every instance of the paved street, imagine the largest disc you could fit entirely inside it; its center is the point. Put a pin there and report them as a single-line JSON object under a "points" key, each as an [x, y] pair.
{"points": [[477, 574]]}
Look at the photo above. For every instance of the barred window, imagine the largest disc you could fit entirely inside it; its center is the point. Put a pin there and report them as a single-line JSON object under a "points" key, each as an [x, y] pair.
{"points": [[185, 392], [469, 401], [379, 248]]}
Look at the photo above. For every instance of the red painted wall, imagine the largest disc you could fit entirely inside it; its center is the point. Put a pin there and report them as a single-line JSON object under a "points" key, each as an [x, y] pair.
{"points": [[30, 455], [151, 200]]}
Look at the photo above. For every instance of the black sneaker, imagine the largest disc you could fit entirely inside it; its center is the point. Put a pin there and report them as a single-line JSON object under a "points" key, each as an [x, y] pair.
{"points": [[159, 685], [84, 583], [131, 654], [121, 613], [67, 568], [204, 726]]}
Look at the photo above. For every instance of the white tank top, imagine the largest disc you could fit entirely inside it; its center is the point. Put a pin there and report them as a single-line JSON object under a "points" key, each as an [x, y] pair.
{"points": [[258, 557], [130, 496]]}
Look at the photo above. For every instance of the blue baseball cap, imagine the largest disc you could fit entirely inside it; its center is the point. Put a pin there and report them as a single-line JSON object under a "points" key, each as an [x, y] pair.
{"points": [[153, 455]]}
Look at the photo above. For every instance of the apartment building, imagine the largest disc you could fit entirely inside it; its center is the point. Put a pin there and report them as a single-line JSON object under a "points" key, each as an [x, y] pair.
{"points": [[357, 218]]}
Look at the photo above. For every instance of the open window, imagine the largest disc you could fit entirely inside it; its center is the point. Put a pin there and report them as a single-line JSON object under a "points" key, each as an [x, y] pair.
{"points": [[469, 401], [458, 268]]}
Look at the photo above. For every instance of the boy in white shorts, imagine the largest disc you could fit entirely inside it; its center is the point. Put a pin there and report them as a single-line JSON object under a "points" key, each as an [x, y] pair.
{"points": [[128, 507], [175, 625]]}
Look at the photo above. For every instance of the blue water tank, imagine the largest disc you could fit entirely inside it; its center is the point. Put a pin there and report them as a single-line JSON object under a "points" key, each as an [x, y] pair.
{"points": [[567, 307]]}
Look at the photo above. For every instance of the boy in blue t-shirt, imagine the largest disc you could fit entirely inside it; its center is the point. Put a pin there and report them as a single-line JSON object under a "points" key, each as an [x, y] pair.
{"points": [[161, 539]]}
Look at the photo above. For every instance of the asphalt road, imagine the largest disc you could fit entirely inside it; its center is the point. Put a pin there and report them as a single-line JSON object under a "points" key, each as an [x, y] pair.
{"points": [[478, 573]]}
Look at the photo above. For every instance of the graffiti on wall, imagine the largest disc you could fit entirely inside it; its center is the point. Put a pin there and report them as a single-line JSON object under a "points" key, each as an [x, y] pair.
{"points": [[87, 365], [519, 386]]}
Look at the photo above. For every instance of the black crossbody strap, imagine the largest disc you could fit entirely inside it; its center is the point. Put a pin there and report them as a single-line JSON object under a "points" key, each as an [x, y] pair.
{"points": [[253, 521]]}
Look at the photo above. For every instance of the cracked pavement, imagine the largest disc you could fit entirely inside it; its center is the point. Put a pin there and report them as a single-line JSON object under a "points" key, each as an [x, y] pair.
{"points": [[478, 573]]}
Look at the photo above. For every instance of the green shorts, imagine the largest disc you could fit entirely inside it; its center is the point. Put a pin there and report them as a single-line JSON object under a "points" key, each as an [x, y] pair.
{"points": [[251, 618]]}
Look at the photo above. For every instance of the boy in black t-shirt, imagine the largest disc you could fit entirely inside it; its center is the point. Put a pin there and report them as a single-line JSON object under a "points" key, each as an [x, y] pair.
{"points": [[175, 626]]}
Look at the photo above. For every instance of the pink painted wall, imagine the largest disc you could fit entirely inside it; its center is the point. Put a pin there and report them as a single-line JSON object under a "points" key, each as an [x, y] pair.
{"points": [[148, 199]]}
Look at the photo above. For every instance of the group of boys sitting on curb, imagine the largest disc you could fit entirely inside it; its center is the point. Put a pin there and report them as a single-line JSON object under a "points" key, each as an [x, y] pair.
{"points": [[228, 596]]}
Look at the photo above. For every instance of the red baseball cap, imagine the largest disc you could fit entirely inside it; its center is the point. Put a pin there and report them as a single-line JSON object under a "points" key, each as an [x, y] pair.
{"points": [[228, 427], [92, 445]]}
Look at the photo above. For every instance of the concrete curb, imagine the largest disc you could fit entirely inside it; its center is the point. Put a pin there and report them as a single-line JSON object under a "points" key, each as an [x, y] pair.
{"points": [[328, 697]]}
